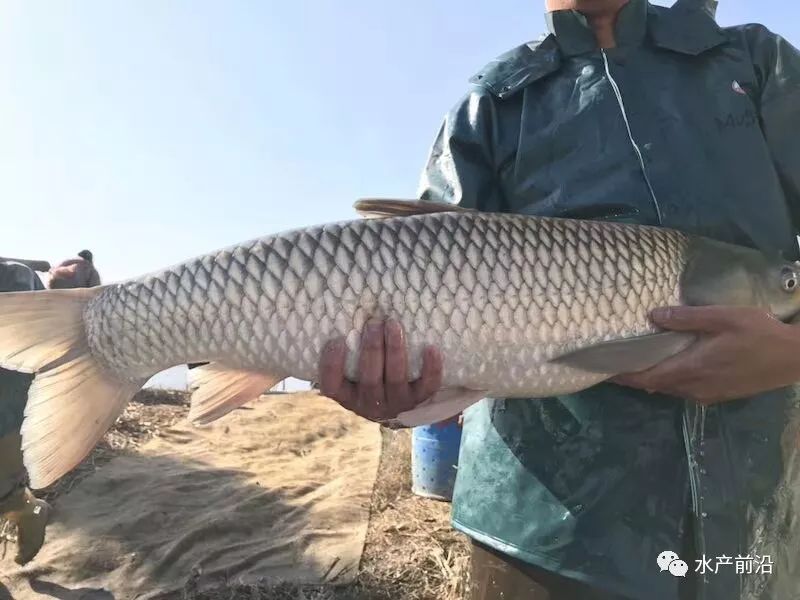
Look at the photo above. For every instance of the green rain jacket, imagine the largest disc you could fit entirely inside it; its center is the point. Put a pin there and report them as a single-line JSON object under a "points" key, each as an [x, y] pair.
{"points": [[15, 277], [686, 125]]}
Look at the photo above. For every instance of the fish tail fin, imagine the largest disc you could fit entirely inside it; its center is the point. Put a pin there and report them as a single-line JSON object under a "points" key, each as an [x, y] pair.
{"points": [[73, 400]]}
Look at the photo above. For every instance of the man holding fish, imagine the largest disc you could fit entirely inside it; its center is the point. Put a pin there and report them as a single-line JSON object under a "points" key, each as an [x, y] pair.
{"points": [[635, 113], [638, 158]]}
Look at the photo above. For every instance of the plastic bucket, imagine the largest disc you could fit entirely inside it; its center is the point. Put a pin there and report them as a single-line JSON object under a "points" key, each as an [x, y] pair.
{"points": [[434, 460]]}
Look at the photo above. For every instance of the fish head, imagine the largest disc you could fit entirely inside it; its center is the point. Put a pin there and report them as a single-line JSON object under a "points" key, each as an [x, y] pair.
{"points": [[717, 273], [780, 288]]}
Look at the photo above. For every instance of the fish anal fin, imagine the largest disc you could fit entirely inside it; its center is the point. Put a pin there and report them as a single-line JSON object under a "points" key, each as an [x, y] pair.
{"points": [[376, 208], [446, 403], [219, 389], [629, 355]]}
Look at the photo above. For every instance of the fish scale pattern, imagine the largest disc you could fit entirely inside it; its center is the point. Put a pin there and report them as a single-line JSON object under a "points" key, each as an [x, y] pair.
{"points": [[499, 294]]}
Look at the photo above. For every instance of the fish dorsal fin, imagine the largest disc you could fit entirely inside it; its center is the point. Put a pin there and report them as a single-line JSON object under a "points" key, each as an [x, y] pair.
{"points": [[376, 208], [629, 355], [219, 389]]}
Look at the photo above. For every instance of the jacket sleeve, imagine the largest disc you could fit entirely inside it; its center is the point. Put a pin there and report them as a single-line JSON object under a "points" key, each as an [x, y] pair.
{"points": [[15, 277], [461, 164], [777, 65]]}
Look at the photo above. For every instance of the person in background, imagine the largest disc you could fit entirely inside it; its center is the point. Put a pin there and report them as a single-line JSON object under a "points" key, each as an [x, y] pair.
{"points": [[77, 272], [18, 506], [682, 482]]}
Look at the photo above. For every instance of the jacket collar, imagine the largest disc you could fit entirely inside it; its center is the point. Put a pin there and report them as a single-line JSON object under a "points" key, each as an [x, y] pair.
{"points": [[575, 36], [519, 67], [686, 28]]}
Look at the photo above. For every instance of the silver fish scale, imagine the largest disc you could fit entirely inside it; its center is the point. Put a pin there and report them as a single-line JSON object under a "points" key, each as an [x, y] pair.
{"points": [[499, 294]]}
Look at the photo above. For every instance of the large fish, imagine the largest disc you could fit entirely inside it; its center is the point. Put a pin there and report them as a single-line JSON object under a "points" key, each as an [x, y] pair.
{"points": [[519, 306]]}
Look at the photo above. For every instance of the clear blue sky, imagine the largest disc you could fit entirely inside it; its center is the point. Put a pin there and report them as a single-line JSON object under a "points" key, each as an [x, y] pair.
{"points": [[151, 131]]}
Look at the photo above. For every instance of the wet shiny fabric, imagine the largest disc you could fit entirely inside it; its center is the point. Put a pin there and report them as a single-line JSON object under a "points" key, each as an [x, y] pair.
{"points": [[594, 486], [12, 471], [496, 576]]}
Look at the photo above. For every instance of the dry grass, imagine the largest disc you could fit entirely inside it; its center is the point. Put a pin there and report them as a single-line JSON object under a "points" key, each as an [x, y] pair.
{"points": [[411, 551]]}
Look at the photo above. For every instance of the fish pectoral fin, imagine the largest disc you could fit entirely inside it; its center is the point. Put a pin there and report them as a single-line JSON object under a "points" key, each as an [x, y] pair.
{"points": [[446, 403], [220, 389], [629, 355], [377, 208]]}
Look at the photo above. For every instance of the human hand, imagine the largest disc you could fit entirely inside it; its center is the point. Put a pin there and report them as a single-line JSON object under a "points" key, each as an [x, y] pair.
{"points": [[383, 390], [739, 352]]}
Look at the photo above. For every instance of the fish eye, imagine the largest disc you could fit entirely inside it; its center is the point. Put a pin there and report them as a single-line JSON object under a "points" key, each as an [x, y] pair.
{"points": [[790, 280]]}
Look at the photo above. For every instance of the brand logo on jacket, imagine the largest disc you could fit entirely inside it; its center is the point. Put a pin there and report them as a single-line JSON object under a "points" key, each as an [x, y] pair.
{"points": [[737, 87], [747, 118]]}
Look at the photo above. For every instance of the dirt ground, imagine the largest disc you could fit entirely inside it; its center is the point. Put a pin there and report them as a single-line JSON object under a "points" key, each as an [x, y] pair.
{"points": [[411, 551]]}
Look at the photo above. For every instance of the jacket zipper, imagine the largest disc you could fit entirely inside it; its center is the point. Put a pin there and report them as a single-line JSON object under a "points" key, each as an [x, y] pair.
{"points": [[688, 438], [636, 149]]}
